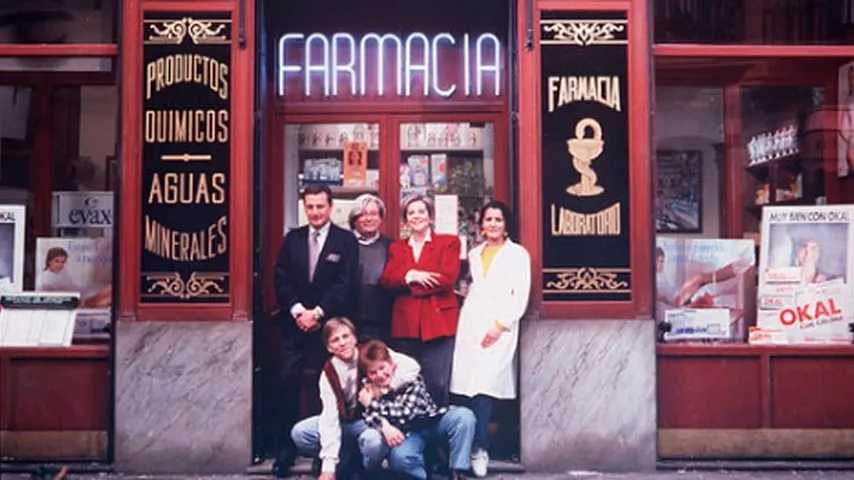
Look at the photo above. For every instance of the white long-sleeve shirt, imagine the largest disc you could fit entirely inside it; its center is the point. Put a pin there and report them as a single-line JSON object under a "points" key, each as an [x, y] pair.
{"points": [[329, 423]]}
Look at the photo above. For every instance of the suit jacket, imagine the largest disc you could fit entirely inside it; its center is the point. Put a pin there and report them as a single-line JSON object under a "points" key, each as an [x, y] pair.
{"points": [[419, 312], [334, 276]]}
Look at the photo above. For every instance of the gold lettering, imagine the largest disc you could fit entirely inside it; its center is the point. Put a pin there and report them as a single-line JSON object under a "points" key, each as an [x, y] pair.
{"points": [[186, 246], [170, 70], [186, 126], [187, 188], [601, 89], [565, 222], [155, 194]]}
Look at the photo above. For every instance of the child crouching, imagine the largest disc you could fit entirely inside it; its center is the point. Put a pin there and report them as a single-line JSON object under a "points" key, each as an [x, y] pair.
{"points": [[407, 417]]}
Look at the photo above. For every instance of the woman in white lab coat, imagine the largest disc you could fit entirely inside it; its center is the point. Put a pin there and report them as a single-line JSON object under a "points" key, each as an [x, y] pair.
{"points": [[484, 366]]}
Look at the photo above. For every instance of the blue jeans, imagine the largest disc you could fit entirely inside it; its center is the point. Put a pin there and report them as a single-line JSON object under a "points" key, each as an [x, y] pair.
{"points": [[455, 427], [355, 436], [482, 406]]}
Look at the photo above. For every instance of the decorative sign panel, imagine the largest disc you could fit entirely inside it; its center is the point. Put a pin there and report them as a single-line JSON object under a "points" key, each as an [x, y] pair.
{"points": [[186, 135], [585, 154]]}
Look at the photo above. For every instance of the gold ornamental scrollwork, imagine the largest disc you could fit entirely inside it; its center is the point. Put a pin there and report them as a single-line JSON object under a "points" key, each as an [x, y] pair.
{"points": [[171, 284], [583, 32], [587, 279], [200, 31]]}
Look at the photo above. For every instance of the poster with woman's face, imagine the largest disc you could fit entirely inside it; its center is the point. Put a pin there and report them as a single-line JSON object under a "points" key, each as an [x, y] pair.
{"points": [[806, 245], [81, 265]]}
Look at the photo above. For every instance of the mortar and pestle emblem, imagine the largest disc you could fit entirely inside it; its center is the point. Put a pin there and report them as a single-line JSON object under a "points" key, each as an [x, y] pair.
{"points": [[583, 151]]}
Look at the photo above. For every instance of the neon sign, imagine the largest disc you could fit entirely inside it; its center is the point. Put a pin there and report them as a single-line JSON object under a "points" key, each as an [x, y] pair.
{"points": [[341, 64]]}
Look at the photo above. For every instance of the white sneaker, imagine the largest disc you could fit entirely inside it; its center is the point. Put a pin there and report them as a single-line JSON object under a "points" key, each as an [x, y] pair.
{"points": [[479, 462]]}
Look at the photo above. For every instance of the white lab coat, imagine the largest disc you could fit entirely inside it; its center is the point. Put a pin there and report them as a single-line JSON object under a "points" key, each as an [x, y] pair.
{"points": [[501, 295]]}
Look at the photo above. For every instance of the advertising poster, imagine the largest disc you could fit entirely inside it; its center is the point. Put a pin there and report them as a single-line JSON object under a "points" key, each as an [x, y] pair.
{"points": [[585, 173], [705, 288], [806, 267], [355, 164], [12, 221], [186, 108], [82, 265]]}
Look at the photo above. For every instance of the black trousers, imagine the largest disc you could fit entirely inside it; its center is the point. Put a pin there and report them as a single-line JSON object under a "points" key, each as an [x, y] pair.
{"points": [[436, 358], [300, 351]]}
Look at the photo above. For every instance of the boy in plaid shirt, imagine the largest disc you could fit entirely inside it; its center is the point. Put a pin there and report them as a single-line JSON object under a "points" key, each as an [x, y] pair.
{"points": [[407, 417]]}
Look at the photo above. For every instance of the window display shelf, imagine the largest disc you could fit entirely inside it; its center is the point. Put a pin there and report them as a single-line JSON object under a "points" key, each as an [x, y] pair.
{"points": [[698, 349]]}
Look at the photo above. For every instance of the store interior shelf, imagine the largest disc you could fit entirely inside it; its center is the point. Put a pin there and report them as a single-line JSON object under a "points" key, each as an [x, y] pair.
{"points": [[789, 161]]}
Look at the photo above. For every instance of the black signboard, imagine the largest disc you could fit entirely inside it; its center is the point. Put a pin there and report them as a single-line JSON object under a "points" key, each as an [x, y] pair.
{"points": [[585, 133], [186, 133]]}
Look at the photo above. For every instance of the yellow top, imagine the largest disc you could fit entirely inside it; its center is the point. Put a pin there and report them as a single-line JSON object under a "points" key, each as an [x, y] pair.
{"points": [[487, 255]]}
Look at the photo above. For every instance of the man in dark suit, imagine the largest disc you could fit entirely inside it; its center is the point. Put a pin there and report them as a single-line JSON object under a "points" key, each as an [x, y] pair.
{"points": [[314, 279]]}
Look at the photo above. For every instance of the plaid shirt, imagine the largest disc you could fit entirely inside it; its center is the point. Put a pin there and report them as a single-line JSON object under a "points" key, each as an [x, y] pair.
{"points": [[407, 408]]}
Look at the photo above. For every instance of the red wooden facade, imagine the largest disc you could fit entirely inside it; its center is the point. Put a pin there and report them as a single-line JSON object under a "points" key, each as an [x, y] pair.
{"points": [[742, 392]]}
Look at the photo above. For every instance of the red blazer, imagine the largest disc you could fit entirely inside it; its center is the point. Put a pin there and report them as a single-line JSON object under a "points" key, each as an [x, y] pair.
{"points": [[420, 312]]}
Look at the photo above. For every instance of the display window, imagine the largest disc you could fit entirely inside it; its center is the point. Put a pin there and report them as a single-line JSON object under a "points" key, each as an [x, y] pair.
{"points": [[752, 214], [58, 139], [740, 159]]}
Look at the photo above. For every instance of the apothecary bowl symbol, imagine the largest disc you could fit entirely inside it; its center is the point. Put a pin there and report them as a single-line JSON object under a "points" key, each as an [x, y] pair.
{"points": [[583, 151]]}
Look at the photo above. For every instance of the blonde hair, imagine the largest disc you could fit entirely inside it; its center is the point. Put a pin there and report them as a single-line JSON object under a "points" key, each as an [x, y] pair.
{"points": [[332, 324]]}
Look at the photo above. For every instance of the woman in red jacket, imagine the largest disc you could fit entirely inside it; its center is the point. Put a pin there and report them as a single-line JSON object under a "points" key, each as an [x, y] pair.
{"points": [[421, 272]]}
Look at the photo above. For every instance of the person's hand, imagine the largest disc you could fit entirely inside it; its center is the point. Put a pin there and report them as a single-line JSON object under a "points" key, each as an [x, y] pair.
{"points": [[706, 300], [326, 476], [307, 321], [393, 436], [366, 395], [492, 335], [689, 288], [425, 279]]}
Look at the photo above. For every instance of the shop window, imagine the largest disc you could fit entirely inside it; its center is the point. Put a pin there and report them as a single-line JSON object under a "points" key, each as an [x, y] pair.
{"points": [[58, 21], [754, 244], [57, 147], [815, 22], [454, 163], [345, 156]]}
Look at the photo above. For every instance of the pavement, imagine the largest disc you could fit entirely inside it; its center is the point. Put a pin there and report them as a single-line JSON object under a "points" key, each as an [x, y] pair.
{"points": [[571, 475], [761, 475], [499, 470]]}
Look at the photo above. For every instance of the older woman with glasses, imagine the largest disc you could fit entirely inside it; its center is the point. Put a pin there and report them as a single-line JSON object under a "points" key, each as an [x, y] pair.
{"points": [[373, 303]]}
